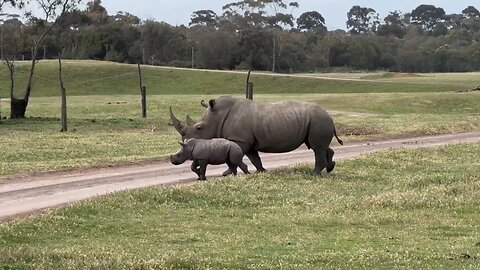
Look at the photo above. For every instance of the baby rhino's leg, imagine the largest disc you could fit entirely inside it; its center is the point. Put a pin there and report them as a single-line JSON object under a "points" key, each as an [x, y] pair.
{"points": [[195, 169], [236, 160], [232, 167], [203, 169], [243, 167]]}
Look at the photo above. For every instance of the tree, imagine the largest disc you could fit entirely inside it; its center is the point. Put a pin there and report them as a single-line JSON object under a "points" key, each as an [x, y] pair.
{"points": [[362, 20], [12, 3], [427, 16], [413, 56], [394, 25], [263, 14], [440, 29], [311, 21], [215, 48], [96, 12], [204, 18], [52, 10], [471, 12], [363, 51]]}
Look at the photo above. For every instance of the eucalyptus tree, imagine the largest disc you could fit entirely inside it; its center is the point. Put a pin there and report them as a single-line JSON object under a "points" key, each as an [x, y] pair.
{"points": [[427, 16], [362, 20], [394, 25], [266, 17], [471, 12], [311, 21], [204, 18]]}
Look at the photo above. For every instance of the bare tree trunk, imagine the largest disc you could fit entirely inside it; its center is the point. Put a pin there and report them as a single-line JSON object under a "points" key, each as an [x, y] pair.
{"points": [[19, 106], [64, 94]]}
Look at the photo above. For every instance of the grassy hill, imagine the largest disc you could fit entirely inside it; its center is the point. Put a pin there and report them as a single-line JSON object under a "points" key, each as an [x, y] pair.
{"points": [[107, 78]]}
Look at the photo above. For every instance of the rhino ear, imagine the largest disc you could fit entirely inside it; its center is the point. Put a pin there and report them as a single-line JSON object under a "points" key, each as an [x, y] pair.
{"points": [[212, 103], [182, 144], [204, 104]]}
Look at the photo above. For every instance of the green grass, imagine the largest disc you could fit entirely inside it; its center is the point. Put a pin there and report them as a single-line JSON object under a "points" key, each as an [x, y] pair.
{"points": [[469, 80], [108, 130], [105, 127], [405, 209]]}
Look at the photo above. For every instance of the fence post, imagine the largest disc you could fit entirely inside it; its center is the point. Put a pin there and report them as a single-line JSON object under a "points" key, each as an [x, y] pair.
{"points": [[246, 85], [143, 92], [250, 91], [144, 102]]}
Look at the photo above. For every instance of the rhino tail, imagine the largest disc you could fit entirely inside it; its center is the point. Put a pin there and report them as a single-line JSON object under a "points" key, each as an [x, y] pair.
{"points": [[338, 139]]}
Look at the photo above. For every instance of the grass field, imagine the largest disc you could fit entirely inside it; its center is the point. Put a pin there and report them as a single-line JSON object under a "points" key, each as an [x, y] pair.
{"points": [[407, 209], [105, 78], [106, 128], [384, 211]]}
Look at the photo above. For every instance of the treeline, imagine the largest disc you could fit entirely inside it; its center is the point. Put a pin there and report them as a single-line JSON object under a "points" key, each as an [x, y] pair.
{"points": [[261, 35]]}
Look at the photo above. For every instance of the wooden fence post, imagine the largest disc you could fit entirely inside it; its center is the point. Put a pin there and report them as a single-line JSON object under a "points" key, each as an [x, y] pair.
{"points": [[143, 92], [250, 91], [63, 92], [246, 85], [144, 102]]}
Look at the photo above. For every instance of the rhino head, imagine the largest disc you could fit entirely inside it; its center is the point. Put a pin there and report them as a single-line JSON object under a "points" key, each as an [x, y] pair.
{"points": [[182, 155], [206, 128]]}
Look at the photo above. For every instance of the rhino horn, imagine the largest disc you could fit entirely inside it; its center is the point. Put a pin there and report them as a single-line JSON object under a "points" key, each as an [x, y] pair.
{"points": [[204, 104], [190, 121], [176, 123]]}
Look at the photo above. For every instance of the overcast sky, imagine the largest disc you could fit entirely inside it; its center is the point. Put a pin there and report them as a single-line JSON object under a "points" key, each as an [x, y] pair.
{"points": [[178, 12]]}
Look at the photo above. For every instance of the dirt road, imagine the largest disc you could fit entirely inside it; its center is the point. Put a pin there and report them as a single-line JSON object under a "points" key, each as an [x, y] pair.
{"points": [[24, 196]]}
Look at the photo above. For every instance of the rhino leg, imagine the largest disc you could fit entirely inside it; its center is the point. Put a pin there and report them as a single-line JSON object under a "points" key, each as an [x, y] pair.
{"points": [[232, 167], [320, 160], [203, 169], [236, 158], [243, 167], [227, 172], [330, 162], [195, 168], [256, 161]]}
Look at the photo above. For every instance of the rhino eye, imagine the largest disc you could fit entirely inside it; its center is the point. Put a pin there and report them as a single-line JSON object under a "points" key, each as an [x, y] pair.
{"points": [[199, 127]]}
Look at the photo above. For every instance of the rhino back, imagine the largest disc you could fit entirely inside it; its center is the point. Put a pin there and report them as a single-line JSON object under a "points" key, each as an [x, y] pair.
{"points": [[276, 128], [282, 127]]}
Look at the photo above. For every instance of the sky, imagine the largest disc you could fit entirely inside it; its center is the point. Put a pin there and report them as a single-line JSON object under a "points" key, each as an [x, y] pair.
{"points": [[179, 12]]}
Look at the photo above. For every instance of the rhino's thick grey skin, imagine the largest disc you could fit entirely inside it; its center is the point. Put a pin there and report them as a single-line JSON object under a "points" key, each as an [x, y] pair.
{"points": [[272, 128], [214, 152]]}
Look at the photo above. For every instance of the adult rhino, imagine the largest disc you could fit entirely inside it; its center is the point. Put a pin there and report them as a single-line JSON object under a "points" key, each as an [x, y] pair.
{"points": [[271, 128]]}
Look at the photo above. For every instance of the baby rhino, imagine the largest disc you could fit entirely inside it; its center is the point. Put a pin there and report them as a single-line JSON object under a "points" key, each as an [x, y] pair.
{"points": [[213, 151]]}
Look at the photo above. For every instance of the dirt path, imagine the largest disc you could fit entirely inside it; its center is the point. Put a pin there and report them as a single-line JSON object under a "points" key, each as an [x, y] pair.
{"points": [[24, 196]]}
